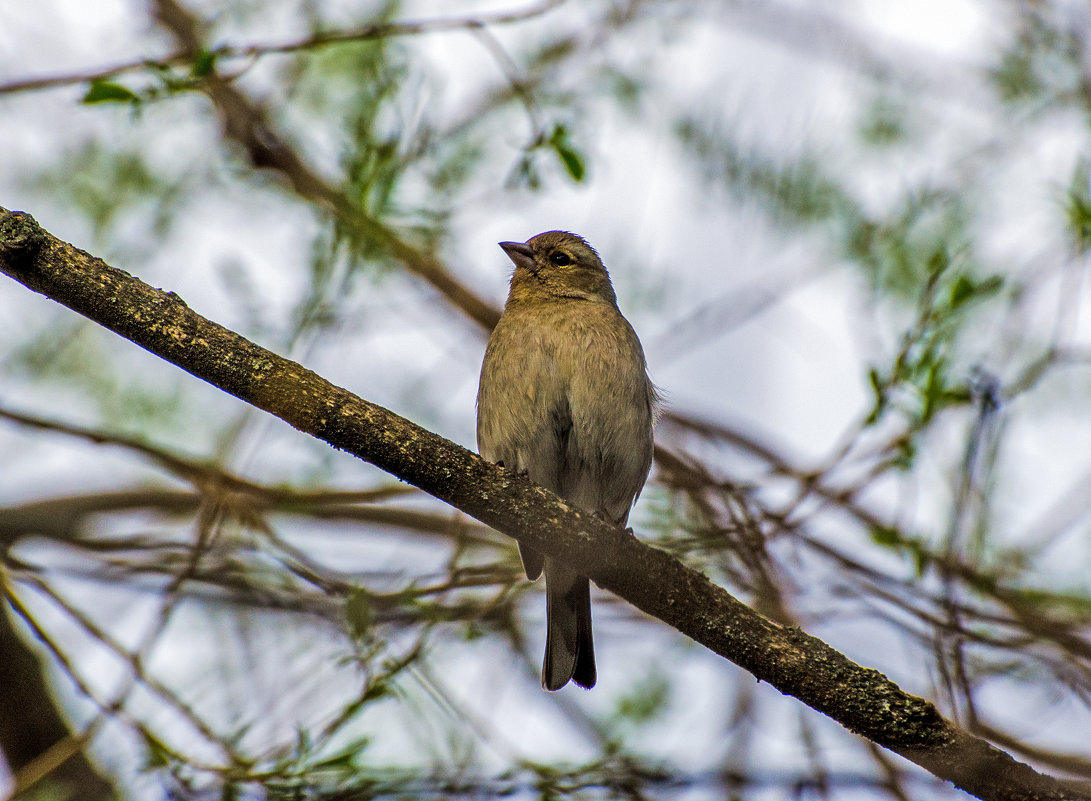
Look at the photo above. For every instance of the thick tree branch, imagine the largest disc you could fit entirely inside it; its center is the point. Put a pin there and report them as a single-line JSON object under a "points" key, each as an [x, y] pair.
{"points": [[862, 700]]}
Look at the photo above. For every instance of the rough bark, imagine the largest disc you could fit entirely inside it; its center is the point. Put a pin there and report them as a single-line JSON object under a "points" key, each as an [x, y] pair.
{"points": [[861, 699]]}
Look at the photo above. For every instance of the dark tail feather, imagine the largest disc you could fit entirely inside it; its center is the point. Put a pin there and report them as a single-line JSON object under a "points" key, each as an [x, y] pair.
{"points": [[570, 648], [585, 673]]}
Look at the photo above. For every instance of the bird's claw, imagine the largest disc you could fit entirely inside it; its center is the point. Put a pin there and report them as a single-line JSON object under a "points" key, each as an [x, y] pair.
{"points": [[524, 473]]}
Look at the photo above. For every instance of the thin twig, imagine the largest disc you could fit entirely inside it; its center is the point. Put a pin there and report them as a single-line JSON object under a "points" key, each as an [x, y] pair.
{"points": [[256, 50]]}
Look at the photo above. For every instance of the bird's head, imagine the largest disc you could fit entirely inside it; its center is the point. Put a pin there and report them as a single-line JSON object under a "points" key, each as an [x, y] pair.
{"points": [[560, 265]]}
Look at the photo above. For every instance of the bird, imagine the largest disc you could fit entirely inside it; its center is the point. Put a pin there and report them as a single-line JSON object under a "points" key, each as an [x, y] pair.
{"points": [[565, 399]]}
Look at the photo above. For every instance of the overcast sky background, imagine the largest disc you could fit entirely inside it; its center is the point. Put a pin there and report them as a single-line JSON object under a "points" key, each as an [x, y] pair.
{"points": [[792, 371]]}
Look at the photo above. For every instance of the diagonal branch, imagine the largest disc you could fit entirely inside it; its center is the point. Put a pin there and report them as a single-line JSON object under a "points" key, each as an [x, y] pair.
{"points": [[862, 700]]}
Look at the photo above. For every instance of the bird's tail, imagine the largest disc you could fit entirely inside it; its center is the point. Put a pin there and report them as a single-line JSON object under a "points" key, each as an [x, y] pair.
{"points": [[570, 649]]}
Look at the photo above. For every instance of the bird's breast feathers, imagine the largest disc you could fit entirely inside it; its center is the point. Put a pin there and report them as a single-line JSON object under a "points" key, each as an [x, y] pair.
{"points": [[583, 362]]}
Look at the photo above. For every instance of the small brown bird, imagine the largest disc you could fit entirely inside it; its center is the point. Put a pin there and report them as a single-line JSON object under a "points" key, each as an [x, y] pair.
{"points": [[565, 398]]}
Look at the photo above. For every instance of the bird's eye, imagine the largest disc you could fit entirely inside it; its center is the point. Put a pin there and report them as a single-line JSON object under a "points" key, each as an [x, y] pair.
{"points": [[561, 259]]}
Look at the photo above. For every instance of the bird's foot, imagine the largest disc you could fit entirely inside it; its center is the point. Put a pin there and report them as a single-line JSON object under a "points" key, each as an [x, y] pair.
{"points": [[524, 473]]}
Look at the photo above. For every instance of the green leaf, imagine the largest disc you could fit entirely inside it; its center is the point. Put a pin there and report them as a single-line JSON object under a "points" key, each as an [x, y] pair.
{"points": [[883, 123], [965, 289], [203, 63], [380, 689], [359, 613], [1078, 207], [957, 396], [934, 391], [525, 174], [303, 743], [103, 91], [879, 390], [905, 452], [156, 754], [473, 630], [885, 535], [569, 156], [939, 261], [345, 758], [921, 560], [648, 699], [962, 290]]}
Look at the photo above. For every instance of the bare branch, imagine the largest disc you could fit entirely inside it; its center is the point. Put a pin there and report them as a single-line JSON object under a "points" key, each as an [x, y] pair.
{"points": [[316, 41]]}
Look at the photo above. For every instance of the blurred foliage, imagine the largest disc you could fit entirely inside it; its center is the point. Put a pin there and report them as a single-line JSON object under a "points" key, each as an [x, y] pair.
{"points": [[885, 121], [646, 700], [922, 365], [71, 357], [797, 191], [105, 185], [1041, 63], [1078, 207]]}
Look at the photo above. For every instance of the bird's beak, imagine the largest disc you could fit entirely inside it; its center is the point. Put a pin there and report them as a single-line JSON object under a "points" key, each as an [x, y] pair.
{"points": [[520, 253]]}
